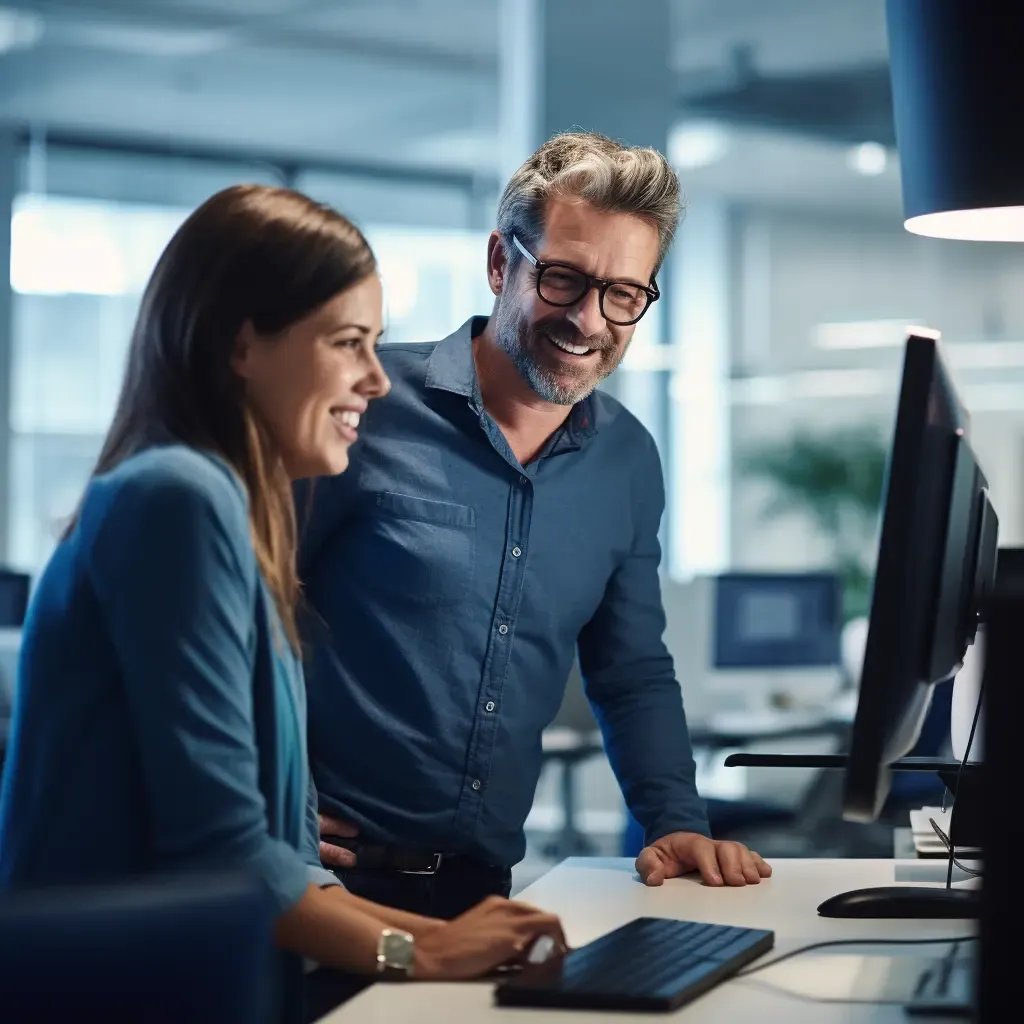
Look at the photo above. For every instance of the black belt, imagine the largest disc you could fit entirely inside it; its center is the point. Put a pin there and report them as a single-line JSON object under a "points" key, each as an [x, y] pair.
{"points": [[403, 860]]}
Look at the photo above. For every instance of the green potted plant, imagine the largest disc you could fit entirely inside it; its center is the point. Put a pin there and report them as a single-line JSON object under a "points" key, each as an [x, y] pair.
{"points": [[835, 479]]}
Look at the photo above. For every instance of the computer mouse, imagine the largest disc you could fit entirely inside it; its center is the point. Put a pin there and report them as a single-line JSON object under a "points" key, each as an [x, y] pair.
{"points": [[902, 901]]}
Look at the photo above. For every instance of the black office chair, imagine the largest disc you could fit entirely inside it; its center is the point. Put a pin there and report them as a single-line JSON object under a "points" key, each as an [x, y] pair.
{"points": [[162, 951], [14, 588]]}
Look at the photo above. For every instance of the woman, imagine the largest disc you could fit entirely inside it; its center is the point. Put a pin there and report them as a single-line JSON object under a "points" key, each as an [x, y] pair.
{"points": [[160, 714]]}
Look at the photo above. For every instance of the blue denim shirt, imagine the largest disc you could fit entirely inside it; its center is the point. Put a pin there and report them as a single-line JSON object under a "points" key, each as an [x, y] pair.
{"points": [[453, 585]]}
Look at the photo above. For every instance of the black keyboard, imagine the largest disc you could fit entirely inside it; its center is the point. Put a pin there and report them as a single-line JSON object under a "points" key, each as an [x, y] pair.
{"points": [[651, 963]]}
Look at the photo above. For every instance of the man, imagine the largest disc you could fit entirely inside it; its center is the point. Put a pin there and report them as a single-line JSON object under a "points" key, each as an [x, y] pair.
{"points": [[498, 514]]}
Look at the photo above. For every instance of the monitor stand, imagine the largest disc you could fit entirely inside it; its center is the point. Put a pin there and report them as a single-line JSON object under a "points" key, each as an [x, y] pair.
{"points": [[907, 901]]}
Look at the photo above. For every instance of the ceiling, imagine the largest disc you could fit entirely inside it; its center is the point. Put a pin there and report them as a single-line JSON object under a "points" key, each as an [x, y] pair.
{"points": [[788, 84]]}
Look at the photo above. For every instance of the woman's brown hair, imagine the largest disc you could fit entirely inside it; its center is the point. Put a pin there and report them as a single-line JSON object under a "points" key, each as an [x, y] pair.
{"points": [[251, 253]]}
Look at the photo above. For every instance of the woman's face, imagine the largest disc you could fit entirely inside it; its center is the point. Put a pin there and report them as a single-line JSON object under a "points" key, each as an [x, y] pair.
{"points": [[311, 382]]}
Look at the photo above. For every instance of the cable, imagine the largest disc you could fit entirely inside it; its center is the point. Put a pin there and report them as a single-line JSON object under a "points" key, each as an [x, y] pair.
{"points": [[956, 783], [851, 942], [948, 843]]}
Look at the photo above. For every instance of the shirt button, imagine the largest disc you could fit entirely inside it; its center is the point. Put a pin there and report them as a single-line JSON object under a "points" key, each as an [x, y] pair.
{"points": [[523, 481], [516, 552], [503, 629], [490, 706], [476, 784]]}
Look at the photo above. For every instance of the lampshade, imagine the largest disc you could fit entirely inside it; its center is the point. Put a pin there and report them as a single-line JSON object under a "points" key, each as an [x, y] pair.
{"points": [[957, 71]]}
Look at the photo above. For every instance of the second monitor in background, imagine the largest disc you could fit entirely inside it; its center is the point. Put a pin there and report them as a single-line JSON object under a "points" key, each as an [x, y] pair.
{"points": [[755, 643], [777, 620]]}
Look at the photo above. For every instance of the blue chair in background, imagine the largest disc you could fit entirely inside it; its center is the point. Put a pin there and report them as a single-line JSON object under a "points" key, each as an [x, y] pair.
{"points": [[163, 951]]}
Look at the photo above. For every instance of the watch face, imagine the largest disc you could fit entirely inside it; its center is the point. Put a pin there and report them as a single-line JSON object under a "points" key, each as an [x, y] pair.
{"points": [[396, 948]]}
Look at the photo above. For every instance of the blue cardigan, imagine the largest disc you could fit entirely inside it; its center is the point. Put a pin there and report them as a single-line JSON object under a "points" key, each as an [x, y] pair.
{"points": [[159, 719]]}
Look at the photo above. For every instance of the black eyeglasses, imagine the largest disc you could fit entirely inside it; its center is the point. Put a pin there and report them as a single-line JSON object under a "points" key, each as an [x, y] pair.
{"points": [[621, 302]]}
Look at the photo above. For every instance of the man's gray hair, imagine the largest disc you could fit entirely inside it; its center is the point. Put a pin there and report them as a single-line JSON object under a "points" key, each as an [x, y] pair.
{"points": [[599, 170]]}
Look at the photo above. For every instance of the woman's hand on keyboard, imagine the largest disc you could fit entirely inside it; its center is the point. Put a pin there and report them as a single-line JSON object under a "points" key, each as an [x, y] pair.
{"points": [[496, 931]]}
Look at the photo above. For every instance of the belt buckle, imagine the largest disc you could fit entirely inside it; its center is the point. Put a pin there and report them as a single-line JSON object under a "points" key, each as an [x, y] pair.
{"points": [[435, 866]]}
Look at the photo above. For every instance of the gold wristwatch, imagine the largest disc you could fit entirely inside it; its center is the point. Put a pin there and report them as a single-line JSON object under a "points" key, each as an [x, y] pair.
{"points": [[395, 950]]}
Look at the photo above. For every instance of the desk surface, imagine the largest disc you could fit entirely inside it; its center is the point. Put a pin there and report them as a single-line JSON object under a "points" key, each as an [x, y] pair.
{"points": [[594, 895]]}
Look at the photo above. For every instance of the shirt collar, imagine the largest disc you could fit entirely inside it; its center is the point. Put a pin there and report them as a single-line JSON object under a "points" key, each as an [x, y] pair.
{"points": [[451, 368]]}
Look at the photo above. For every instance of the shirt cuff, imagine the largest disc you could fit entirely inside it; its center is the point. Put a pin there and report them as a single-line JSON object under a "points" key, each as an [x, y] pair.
{"points": [[663, 828], [321, 876]]}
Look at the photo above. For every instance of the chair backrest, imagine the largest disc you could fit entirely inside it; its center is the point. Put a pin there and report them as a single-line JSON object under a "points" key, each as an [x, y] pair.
{"points": [[14, 587], [184, 948], [575, 712]]}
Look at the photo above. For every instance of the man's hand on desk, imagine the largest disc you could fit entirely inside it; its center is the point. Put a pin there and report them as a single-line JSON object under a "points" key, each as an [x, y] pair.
{"points": [[332, 856], [719, 861]]}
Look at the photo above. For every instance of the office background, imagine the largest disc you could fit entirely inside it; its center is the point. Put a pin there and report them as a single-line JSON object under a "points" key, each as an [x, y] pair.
{"points": [[768, 373]]}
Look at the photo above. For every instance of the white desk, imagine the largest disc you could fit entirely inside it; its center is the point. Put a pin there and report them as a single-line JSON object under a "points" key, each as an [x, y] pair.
{"points": [[594, 895]]}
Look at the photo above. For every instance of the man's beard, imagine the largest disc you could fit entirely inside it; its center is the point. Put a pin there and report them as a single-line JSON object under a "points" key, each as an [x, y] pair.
{"points": [[519, 341]]}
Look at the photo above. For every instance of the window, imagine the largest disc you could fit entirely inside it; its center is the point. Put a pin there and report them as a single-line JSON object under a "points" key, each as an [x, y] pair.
{"points": [[85, 237]]}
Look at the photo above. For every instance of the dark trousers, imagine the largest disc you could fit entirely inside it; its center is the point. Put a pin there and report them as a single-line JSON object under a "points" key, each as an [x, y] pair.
{"points": [[460, 883]]}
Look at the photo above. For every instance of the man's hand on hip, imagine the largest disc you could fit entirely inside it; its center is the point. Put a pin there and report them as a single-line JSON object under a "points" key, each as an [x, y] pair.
{"points": [[332, 856], [719, 862]]}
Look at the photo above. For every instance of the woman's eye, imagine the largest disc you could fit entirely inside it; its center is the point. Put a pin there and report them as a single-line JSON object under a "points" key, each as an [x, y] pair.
{"points": [[348, 342]]}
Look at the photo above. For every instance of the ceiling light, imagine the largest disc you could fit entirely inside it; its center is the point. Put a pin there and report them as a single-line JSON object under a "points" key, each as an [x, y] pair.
{"points": [[869, 158], [697, 144], [19, 30]]}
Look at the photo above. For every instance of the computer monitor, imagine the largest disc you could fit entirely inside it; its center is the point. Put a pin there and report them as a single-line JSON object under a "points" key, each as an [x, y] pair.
{"points": [[746, 643], [936, 566], [777, 620], [936, 563]]}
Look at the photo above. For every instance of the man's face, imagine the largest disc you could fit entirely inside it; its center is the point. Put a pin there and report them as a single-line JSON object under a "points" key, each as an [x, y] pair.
{"points": [[538, 336]]}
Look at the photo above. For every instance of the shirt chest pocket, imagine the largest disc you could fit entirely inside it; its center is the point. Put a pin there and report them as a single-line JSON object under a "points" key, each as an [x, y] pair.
{"points": [[417, 550]]}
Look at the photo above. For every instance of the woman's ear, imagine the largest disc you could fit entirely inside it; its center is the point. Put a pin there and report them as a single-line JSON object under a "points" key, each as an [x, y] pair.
{"points": [[497, 266]]}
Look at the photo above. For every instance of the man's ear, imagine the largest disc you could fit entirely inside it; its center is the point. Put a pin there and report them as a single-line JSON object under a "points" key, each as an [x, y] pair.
{"points": [[242, 350], [497, 266]]}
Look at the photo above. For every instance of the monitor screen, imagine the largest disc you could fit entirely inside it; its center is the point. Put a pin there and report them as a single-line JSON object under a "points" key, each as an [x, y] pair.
{"points": [[936, 562], [776, 620]]}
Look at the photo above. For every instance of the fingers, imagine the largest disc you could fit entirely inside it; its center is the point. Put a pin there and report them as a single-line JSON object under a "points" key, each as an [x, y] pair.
{"points": [[498, 904], [529, 929], [708, 862], [527, 920], [527, 923], [336, 827], [332, 856], [741, 866], [650, 867], [719, 862], [730, 863], [495, 932], [751, 876], [764, 869]]}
